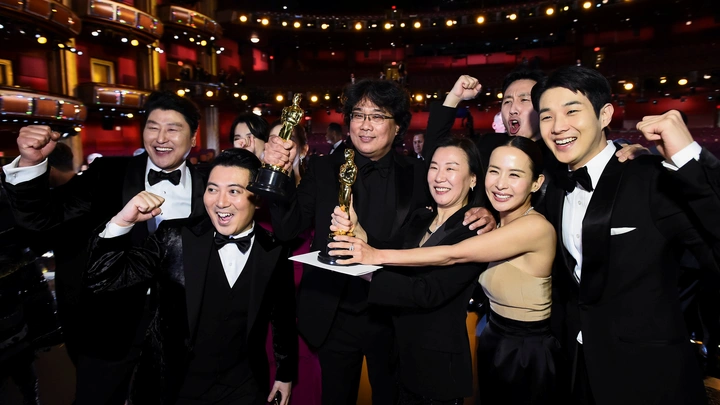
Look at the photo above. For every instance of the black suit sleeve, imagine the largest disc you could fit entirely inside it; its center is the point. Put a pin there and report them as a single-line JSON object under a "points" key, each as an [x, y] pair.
{"points": [[426, 291], [440, 123], [285, 336], [114, 264], [290, 218]]}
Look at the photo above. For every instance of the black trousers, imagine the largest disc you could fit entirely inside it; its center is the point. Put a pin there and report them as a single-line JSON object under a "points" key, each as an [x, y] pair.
{"points": [[248, 393], [351, 338], [406, 397], [581, 392]]}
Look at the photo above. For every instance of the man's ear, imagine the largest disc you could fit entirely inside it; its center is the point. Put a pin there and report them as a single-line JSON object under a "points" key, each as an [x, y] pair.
{"points": [[606, 113], [193, 140]]}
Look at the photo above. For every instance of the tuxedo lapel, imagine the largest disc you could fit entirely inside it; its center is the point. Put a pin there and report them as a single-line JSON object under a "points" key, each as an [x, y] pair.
{"points": [[555, 197], [596, 232], [134, 181], [416, 228], [197, 243], [262, 261]]}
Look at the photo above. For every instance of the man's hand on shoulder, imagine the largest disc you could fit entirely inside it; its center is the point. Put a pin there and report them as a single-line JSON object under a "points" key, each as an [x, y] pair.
{"points": [[481, 219], [35, 142]]}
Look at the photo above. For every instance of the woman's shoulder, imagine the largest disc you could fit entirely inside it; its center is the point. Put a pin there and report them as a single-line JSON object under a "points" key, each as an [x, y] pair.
{"points": [[535, 224]]}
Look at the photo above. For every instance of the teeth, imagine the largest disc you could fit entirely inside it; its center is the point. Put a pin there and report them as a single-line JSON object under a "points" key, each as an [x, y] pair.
{"points": [[564, 141], [514, 122], [163, 149], [442, 189], [224, 215], [501, 196]]}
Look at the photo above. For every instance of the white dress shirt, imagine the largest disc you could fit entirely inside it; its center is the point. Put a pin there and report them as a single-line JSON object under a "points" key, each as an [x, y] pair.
{"points": [[335, 146], [233, 260], [575, 207], [178, 199]]}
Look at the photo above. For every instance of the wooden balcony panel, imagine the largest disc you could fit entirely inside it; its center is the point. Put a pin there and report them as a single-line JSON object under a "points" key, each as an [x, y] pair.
{"points": [[40, 107], [122, 15], [49, 14], [103, 11], [189, 19], [103, 95]]}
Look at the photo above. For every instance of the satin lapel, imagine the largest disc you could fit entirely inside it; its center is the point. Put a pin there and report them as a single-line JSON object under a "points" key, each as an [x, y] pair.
{"points": [[197, 208], [416, 229], [596, 233], [404, 184], [262, 261], [555, 197], [134, 177], [196, 256]]}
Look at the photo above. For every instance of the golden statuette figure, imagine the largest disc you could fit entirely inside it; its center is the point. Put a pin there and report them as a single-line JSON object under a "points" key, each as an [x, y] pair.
{"points": [[348, 174]]}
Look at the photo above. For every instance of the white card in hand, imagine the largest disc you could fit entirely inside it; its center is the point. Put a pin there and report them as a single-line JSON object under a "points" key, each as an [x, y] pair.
{"points": [[352, 270]]}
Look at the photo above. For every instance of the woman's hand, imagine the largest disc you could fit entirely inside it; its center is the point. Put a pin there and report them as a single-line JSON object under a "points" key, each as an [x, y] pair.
{"points": [[284, 389], [360, 251]]}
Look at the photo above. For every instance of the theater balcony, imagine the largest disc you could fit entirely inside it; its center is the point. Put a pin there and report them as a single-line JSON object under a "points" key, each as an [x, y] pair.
{"points": [[198, 28], [121, 19], [48, 16], [112, 100]]}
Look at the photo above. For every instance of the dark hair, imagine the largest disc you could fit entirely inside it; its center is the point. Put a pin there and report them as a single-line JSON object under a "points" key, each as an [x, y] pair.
{"points": [[578, 79], [165, 100], [335, 128], [475, 197], [532, 150], [237, 157], [386, 94], [522, 73], [298, 131], [255, 123], [61, 158]]}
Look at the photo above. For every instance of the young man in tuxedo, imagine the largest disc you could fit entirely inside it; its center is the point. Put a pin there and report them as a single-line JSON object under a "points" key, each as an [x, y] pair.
{"points": [[221, 281], [99, 336], [334, 136], [418, 142], [622, 229], [333, 313]]}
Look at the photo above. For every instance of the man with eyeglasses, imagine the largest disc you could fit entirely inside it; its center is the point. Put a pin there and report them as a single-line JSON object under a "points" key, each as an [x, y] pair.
{"points": [[333, 314]]}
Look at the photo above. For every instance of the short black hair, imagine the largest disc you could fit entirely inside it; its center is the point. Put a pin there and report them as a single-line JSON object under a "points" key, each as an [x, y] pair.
{"points": [[476, 197], [335, 128], [237, 157], [578, 79], [532, 150], [61, 158], [522, 73], [166, 100], [385, 94], [255, 123]]}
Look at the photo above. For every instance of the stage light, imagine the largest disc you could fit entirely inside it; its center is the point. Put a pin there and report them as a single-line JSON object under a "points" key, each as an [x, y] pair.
{"points": [[449, 23], [682, 81], [42, 40], [243, 18], [123, 40], [325, 26], [358, 26], [264, 21], [480, 20], [129, 115], [209, 93], [512, 17], [203, 42], [499, 95], [417, 24], [550, 11], [663, 80], [181, 92], [402, 25], [418, 97], [628, 86], [296, 24], [279, 98], [706, 77], [314, 98], [192, 39], [587, 5], [327, 97], [244, 97], [388, 26], [134, 42], [254, 39]]}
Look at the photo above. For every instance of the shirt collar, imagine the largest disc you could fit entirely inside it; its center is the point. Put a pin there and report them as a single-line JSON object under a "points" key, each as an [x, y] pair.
{"points": [[337, 144], [597, 164], [245, 233], [182, 168]]}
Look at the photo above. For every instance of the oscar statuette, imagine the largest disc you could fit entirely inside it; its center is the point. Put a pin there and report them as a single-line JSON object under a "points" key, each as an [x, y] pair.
{"points": [[272, 181], [347, 176]]}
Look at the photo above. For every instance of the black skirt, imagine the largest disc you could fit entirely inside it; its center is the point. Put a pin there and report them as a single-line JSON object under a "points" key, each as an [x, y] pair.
{"points": [[520, 363]]}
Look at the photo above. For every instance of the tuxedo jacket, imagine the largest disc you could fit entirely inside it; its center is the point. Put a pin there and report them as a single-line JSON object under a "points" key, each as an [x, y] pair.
{"points": [[69, 215], [635, 343], [429, 308], [177, 257]]}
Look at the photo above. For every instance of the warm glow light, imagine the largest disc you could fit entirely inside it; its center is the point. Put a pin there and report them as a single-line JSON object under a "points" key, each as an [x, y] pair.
{"points": [[314, 98], [244, 97], [236, 95], [418, 97], [587, 5], [203, 42], [61, 46], [358, 26], [296, 24], [254, 39], [327, 97], [129, 115], [706, 77], [243, 18], [499, 95], [417, 24], [512, 17], [448, 23], [663, 80], [181, 92], [284, 23], [209, 93], [682, 82], [279, 98], [257, 111], [480, 20], [566, 8], [134, 42], [78, 129], [325, 26], [550, 11], [388, 26], [123, 40], [265, 21], [402, 25], [42, 40], [191, 39], [628, 86]]}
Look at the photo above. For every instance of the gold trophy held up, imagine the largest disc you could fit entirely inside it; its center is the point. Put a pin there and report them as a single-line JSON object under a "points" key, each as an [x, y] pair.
{"points": [[272, 181]]}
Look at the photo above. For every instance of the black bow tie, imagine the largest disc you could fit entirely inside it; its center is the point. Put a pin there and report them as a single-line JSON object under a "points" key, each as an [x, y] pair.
{"points": [[242, 243], [155, 177], [382, 169], [581, 177]]}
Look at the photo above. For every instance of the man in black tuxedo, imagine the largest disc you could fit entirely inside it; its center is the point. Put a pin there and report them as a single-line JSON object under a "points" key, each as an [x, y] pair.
{"points": [[99, 336], [334, 137], [333, 313], [622, 229], [418, 143], [221, 281]]}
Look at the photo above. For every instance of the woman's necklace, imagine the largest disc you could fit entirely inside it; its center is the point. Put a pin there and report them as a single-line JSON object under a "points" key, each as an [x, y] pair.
{"points": [[525, 213]]}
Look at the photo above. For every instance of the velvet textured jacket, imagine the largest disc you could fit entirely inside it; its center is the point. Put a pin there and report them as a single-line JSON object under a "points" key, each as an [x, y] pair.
{"points": [[177, 257], [429, 309]]}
